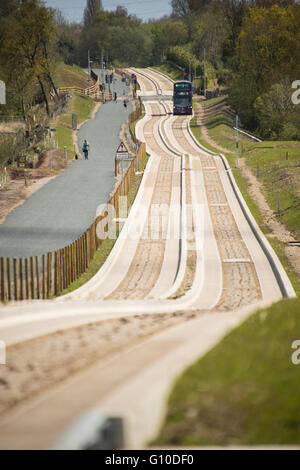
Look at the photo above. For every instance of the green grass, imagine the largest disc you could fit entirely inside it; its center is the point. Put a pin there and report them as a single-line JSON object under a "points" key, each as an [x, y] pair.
{"points": [[66, 75], [64, 138], [210, 102], [96, 263], [197, 133], [82, 106], [169, 71], [245, 390]]}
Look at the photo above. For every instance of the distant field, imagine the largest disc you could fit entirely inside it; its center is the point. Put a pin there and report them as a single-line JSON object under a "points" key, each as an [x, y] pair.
{"points": [[81, 105]]}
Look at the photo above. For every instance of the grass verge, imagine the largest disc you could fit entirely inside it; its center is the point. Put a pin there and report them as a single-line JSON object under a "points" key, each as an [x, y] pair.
{"points": [[169, 70], [82, 105], [242, 392]]}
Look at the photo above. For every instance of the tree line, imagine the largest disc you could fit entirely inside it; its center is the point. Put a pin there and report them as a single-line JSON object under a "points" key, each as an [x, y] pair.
{"points": [[250, 45], [27, 51]]}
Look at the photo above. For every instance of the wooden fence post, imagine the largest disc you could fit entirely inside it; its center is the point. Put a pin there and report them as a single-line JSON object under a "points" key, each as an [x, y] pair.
{"points": [[70, 263], [49, 274], [21, 269], [67, 267], [27, 283], [80, 255], [37, 272], [61, 270], [16, 279], [77, 260], [3, 281], [32, 283], [56, 272], [8, 268], [85, 251], [44, 276], [64, 273], [73, 263]]}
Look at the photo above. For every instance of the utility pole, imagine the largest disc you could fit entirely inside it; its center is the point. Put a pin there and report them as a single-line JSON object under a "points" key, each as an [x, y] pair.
{"points": [[50, 149], [237, 140], [102, 60], [204, 74], [89, 64]]}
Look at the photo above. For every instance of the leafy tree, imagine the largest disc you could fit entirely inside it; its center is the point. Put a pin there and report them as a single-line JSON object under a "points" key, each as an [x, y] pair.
{"points": [[210, 33], [166, 34], [267, 54], [268, 44], [120, 35], [181, 8], [28, 32], [67, 39], [91, 9], [277, 116]]}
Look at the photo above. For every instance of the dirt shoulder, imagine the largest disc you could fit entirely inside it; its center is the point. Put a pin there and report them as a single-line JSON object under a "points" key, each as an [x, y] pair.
{"points": [[15, 192]]}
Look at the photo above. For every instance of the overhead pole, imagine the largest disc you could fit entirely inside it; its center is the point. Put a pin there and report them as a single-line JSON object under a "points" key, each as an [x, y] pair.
{"points": [[89, 64], [237, 140], [204, 73], [102, 64]]}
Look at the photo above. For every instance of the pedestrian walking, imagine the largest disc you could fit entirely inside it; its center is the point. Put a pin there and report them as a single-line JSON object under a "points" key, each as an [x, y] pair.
{"points": [[85, 149], [125, 104]]}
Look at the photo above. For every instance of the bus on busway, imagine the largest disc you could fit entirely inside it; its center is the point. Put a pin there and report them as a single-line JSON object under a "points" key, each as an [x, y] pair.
{"points": [[182, 98]]}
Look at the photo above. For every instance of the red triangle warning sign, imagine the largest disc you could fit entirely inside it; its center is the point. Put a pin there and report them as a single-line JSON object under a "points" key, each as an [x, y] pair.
{"points": [[122, 148]]}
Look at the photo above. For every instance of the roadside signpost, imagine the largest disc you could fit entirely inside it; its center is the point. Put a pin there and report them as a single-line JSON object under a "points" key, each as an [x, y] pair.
{"points": [[237, 140], [122, 155], [51, 130], [122, 152]]}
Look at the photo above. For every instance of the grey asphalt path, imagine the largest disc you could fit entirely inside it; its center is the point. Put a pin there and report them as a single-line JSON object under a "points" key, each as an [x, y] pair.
{"points": [[65, 207]]}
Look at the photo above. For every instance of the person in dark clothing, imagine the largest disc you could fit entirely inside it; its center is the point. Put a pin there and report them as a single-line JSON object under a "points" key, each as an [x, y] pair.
{"points": [[85, 149]]}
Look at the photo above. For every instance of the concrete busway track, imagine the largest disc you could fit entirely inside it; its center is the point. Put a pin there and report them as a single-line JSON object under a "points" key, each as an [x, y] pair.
{"points": [[217, 264], [153, 82], [227, 260]]}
